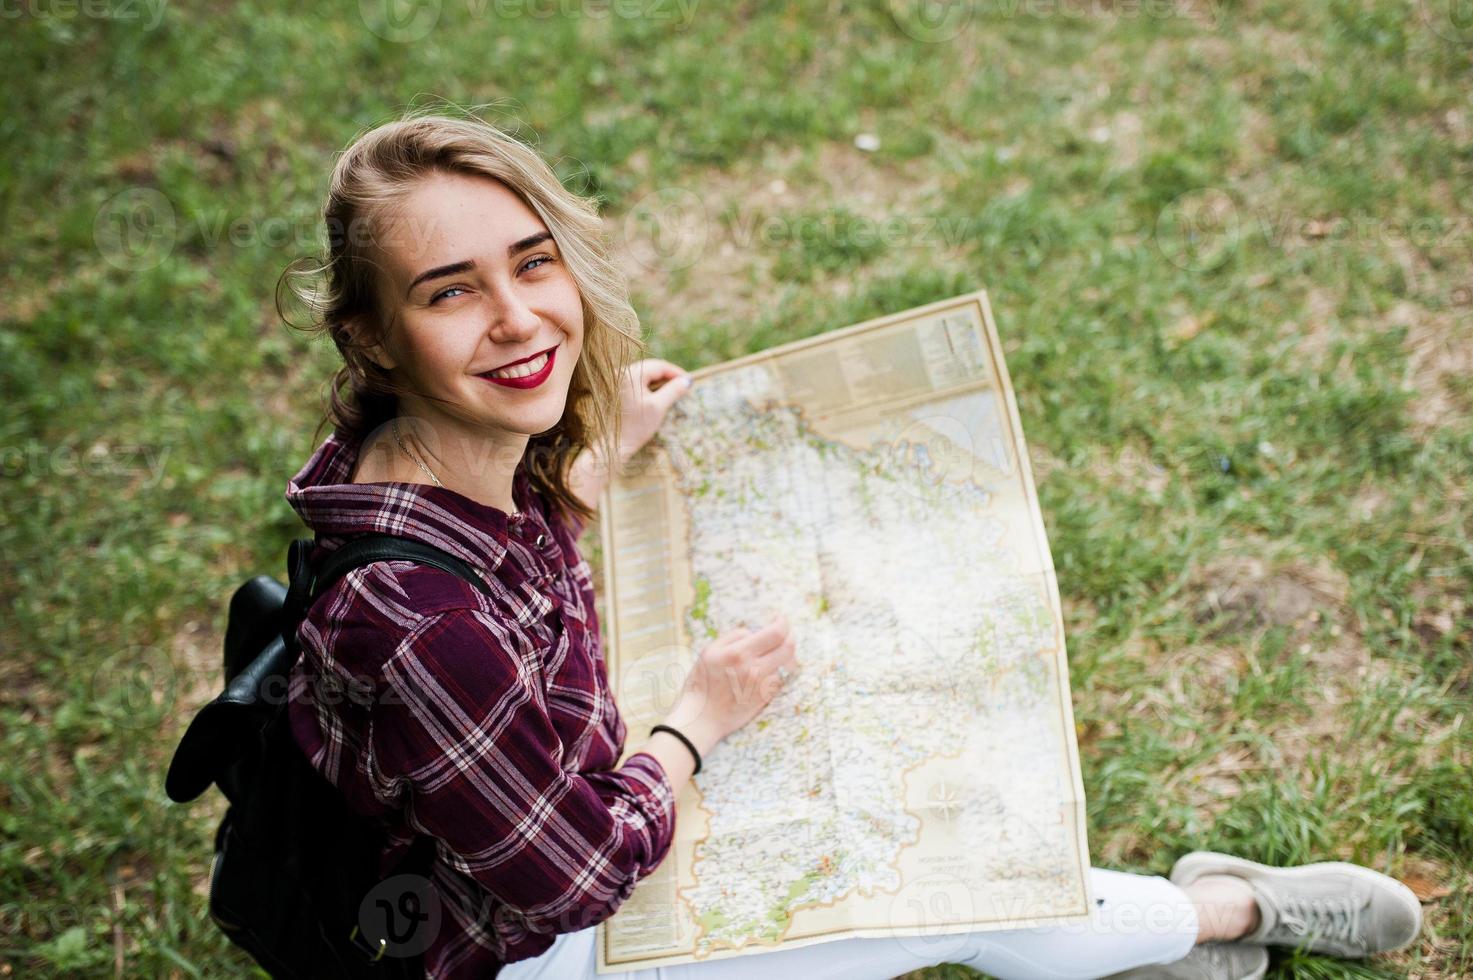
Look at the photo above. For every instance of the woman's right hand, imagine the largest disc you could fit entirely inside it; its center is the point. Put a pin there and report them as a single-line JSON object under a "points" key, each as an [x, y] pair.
{"points": [[732, 680]]}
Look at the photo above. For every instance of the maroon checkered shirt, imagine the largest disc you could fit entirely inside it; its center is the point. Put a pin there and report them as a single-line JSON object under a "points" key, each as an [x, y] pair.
{"points": [[484, 721]]}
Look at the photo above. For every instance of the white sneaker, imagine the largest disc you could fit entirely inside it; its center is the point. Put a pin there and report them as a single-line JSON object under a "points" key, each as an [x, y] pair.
{"points": [[1335, 908]]}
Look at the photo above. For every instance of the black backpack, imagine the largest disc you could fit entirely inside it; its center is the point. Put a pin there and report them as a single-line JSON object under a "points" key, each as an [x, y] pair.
{"points": [[295, 877]]}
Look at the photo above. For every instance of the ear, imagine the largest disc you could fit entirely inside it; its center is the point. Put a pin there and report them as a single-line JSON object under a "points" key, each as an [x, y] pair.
{"points": [[382, 358], [377, 353]]}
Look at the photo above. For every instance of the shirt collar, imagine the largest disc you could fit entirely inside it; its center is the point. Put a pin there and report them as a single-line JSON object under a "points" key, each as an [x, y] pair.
{"points": [[322, 494]]}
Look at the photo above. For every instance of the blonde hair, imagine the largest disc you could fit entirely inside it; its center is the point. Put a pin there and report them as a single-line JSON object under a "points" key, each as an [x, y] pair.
{"points": [[374, 173]]}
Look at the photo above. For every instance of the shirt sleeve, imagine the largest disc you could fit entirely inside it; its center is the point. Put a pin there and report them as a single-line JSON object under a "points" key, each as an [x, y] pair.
{"points": [[462, 737]]}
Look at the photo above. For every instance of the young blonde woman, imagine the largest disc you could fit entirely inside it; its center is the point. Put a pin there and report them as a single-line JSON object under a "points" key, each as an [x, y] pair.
{"points": [[487, 389]]}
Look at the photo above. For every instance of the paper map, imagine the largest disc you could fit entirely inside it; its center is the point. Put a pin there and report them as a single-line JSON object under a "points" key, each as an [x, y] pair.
{"points": [[918, 776]]}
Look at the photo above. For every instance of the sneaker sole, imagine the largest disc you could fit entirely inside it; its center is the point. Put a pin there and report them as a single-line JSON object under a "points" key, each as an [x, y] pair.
{"points": [[1259, 973], [1197, 864]]}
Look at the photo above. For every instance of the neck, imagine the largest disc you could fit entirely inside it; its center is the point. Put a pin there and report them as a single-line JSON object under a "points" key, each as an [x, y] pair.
{"points": [[475, 462]]}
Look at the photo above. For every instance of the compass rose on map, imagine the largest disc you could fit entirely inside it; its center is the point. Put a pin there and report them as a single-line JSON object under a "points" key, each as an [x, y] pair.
{"points": [[944, 800]]}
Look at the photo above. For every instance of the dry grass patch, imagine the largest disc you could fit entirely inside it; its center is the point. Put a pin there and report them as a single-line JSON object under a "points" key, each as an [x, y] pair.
{"points": [[1439, 351], [1443, 891], [715, 227], [1238, 593], [196, 652]]}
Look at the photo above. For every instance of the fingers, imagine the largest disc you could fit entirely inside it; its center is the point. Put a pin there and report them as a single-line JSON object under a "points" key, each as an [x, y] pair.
{"points": [[671, 392], [652, 370], [673, 380], [732, 635], [781, 653], [766, 639]]}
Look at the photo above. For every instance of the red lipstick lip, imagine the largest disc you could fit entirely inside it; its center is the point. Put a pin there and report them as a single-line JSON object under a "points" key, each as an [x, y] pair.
{"points": [[529, 357], [531, 380]]}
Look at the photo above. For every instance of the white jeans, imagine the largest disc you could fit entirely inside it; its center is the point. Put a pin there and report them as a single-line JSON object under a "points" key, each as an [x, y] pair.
{"points": [[1138, 920]]}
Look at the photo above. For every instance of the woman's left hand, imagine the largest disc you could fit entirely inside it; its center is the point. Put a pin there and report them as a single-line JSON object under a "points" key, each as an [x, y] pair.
{"points": [[641, 410]]}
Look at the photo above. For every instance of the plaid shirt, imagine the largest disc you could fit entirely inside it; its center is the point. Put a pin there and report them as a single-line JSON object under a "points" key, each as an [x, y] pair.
{"points": [[486, 722]]}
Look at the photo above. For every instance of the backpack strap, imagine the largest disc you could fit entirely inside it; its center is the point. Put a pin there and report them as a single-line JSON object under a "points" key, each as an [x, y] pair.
{"points": [[261, 648], [369, 548], [307, 583]]}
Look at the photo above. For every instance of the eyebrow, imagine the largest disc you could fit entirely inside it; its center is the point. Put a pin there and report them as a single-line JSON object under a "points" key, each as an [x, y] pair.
{"points": [[465, 265]]}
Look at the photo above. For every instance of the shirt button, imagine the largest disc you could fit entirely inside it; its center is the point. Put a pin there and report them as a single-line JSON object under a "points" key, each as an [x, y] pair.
{"points": [[541, 540]]}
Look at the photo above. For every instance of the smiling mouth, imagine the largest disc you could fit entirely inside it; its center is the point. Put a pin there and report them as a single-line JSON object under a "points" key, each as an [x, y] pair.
{"points": [[527, 373]]}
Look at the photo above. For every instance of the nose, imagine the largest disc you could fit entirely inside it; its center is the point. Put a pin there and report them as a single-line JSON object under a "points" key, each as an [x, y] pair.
{"points": [[512, 321]]}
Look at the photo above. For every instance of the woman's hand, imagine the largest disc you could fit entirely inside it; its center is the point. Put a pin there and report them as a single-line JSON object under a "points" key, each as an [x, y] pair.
{"points": [[641, 409], [732, 680]]}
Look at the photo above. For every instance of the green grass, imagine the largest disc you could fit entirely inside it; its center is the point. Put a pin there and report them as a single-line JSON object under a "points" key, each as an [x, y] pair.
{"points": [[1228, 252]]}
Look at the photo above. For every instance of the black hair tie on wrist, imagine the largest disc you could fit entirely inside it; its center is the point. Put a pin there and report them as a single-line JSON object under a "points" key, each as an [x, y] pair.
{"points": [[688, 743]]}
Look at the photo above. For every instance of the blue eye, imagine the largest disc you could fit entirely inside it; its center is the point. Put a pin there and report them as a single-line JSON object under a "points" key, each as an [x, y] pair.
{"points": [[534, 263]]}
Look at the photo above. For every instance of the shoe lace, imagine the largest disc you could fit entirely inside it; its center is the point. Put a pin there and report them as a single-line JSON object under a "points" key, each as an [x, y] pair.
{"points": [[1335, 917]]}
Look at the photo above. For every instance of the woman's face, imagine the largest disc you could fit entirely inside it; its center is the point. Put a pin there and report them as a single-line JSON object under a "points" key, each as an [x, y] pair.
{"points": [[473, 284]]}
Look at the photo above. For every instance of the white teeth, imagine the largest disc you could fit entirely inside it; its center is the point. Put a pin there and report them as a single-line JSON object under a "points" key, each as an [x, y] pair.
{"points": [[522, 370]]}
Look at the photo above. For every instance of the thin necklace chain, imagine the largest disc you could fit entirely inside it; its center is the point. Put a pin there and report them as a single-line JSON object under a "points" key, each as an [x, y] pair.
{"points": [[421, 464], [412, 455]]}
